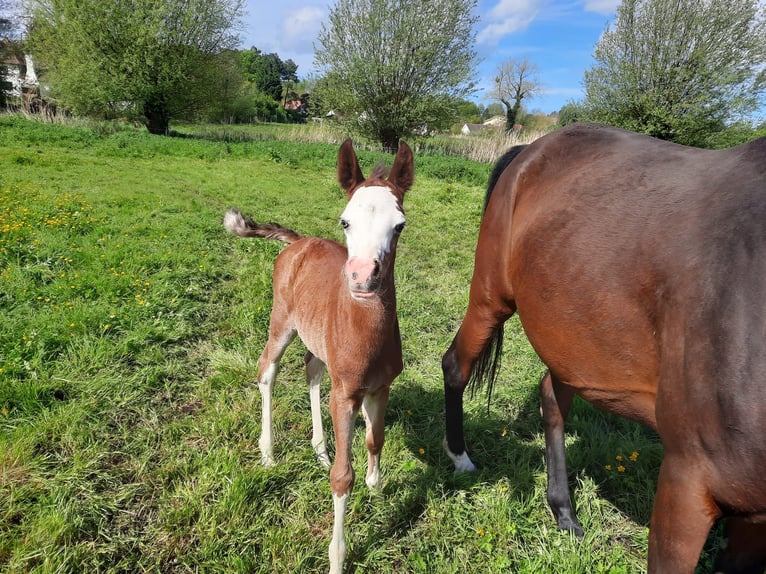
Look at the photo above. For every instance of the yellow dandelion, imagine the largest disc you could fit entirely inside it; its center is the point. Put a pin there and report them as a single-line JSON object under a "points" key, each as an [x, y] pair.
{"points": [[480, 531], [421, 450], [618, 458], [634, 456], [620, 468], [608, 466]]}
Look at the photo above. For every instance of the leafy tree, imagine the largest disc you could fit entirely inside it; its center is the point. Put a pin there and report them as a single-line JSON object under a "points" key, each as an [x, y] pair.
{"points": [[679, 69], [492, 110], [267, 72], [516, 80], [394, 68], [162, 59], [571, 112]]}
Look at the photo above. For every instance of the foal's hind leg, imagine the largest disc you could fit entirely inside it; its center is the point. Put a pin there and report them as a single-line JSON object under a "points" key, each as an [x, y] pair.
{"points": [[315, 368], [556, 400], [476, 331], [268, 366], [373, 411]]}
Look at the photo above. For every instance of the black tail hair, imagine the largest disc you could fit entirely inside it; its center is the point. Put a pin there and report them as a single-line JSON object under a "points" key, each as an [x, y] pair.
{"points": [[488, 364]]}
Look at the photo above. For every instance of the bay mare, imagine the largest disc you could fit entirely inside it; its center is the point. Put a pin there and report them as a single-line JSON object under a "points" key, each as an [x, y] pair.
{"points": [[638, 270]]}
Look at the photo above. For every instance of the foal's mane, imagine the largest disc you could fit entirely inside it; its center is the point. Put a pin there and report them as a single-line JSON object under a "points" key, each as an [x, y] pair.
{"points": [[380, 171]]}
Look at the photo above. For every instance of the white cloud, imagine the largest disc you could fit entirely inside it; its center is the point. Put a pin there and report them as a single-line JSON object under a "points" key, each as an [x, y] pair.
{"points": [[300, 28], [601, 6], [507, 17]]}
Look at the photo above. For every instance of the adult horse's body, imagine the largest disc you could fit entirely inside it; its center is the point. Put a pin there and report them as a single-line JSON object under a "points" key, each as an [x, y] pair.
{"points": [[341, 302], [638, 269]]}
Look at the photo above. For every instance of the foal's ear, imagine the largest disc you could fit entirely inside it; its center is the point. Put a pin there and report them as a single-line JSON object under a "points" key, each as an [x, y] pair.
{"points": [[402, 173], [349, 172]]}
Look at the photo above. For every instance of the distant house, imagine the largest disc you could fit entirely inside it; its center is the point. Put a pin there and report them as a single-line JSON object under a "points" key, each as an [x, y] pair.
{"points": [[469, 129], [21, 70]]}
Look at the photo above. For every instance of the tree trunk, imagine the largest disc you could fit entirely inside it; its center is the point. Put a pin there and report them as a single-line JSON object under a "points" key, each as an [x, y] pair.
{"points": [[390, 141], [511, 113], [157, 117]]}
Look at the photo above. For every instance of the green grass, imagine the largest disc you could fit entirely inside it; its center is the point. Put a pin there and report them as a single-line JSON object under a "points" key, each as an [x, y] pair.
{"points": [[129, 420]]}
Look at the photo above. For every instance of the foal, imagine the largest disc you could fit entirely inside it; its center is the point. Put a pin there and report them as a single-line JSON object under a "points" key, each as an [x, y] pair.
{"points": [[342, 304]]}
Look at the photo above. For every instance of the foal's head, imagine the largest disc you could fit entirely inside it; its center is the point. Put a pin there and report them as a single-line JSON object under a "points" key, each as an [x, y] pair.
{"points": [[373, 218]]}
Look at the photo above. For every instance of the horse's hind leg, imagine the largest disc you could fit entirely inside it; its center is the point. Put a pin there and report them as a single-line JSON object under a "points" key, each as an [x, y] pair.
{"points": [[556, 400], [315, 368], [479, 327], [373, 411], [745, 552], [280, 337]]}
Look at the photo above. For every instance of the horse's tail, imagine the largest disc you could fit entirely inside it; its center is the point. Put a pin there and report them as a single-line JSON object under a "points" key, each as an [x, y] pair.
{"points": [[487, 365], [244, 226], [498, 170]]}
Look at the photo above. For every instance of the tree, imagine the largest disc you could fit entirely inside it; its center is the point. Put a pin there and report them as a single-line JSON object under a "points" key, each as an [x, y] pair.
{"points": [[678, 69], [161, 59], [394, 68], [268, 72], [516, 80]]}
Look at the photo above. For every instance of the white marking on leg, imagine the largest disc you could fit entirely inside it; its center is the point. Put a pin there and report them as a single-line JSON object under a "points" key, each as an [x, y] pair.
{"points": [[371, 412], [462, 462], [266, 441], [314, 370], [338, 543], [373, 471]]}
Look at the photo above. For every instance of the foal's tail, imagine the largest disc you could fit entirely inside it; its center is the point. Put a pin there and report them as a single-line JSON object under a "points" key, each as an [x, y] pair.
{"points": [[244, 226]]}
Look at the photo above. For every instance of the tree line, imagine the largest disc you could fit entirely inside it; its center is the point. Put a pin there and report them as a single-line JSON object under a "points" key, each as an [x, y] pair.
{"points": [[691, 71]]}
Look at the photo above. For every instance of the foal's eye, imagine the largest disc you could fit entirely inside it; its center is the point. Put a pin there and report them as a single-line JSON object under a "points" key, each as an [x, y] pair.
{"points": [[344, 224], [399, 228]]}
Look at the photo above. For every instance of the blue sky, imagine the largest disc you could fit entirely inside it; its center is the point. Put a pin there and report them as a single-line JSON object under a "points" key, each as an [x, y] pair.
{"points": [[557, 35]]}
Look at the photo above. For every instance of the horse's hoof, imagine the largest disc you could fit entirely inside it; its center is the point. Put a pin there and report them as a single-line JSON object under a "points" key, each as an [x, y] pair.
{"points": [[572, 528]]}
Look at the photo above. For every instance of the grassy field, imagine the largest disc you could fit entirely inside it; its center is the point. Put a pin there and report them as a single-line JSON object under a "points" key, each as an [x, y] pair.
{"points": [[131, 326]]}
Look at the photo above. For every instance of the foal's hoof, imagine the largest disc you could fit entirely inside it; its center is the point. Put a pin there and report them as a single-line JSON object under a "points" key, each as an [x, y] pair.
{"points": [[324, 460], [267, 461]]}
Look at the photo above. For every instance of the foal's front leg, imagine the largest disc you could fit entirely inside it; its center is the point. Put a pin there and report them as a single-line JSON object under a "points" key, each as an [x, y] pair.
{"points": [[344, 410], [374, 410]]}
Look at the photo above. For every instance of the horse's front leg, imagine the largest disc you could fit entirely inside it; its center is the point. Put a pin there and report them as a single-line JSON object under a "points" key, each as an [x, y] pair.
{"points": [[556, 400], [682, 516], [343, 410], [374, 410]]}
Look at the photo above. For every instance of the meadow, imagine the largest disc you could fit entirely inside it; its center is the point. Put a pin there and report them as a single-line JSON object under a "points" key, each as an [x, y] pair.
{"points": [[129, 418]]}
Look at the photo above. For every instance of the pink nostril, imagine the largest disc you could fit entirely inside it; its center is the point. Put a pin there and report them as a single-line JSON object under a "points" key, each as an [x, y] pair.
{"points": [[361, 270]]}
